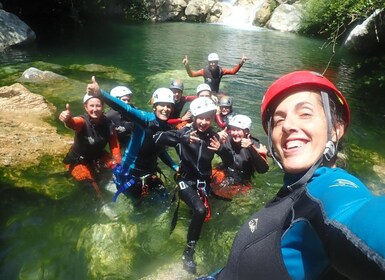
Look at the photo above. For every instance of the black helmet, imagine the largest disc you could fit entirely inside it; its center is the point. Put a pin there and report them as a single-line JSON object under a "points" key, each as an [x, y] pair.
{"points": [[177, 84], [226, 101]]}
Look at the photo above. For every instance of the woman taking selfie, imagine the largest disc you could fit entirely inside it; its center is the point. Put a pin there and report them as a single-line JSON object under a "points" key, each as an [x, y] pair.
{"points": [[323, 223]]}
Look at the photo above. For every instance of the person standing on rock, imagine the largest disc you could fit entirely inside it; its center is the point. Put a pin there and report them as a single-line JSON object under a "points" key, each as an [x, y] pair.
{"points": [[213, 73], [93, 132]]}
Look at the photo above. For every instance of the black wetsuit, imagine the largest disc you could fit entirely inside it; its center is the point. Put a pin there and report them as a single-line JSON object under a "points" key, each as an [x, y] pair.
{"points": [[123, 126], [90, 142], [195, 164]]}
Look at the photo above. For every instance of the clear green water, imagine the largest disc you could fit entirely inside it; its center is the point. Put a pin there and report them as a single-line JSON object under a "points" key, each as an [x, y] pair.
{"points": [[51, 229]]}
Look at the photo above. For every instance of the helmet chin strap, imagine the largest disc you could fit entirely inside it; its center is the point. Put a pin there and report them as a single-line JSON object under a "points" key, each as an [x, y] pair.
{"points": [[270, 143], [328, 154], [330, 147]]}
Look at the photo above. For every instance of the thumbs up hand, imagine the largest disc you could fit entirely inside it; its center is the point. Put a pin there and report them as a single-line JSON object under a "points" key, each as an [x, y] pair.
{"points": [[246, 142], [185, 60], [93, 88], [66, 114]]}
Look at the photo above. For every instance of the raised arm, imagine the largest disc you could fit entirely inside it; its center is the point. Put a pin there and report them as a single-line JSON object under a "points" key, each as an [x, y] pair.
{"points": [[189, 71], [258, 154], [236, 68], [75, 123], [140, 116]]}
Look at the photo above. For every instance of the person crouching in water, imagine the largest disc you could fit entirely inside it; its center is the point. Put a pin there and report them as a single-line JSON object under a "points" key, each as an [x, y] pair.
{"points": [[93, 131], [137, 175], [249, 156], [225, 112], [122, 124], [196, 146]]}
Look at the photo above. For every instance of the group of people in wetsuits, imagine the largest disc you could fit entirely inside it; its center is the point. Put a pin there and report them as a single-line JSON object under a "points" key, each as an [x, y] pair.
{"points": [[318, 226]]}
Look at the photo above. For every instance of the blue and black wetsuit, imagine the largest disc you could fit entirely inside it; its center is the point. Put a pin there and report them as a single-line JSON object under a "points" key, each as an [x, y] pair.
{"points": [[332, 228], [140, 157]]}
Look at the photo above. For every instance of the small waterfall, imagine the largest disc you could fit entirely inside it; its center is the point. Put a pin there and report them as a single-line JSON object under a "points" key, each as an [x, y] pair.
{"points": [[239, 15]]}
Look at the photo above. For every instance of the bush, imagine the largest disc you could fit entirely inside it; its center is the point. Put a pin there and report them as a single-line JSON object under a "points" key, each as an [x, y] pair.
{"points": [[331, 18]]}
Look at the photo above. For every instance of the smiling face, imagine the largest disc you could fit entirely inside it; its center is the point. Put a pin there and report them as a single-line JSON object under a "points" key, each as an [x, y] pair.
{"points": [[225, 110], [94, 108], [203, 122], [213, 65], [177, 94], [163, 110], [236, 134], [299, 132]]}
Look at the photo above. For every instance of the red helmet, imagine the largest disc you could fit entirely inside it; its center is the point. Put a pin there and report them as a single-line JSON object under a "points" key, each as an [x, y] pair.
{"points": [[301, 79]]}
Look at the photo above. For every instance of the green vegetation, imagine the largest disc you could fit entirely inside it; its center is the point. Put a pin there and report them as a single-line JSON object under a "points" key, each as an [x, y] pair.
{"points": [[331, 18]]}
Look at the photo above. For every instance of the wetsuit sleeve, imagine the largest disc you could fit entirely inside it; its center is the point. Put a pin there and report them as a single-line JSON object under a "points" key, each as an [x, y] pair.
{"points": [[218, 118], [190, 98], [75, 123], [171, 137], [225, 153], [114, 147], [166, 158], [259, 161], [350, 224], [139, 116], [174, 121], [191, 73], [231, 71]]}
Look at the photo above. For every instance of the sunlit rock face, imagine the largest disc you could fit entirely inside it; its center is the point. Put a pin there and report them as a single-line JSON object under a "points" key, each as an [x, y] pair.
{"points": [[14, 31], [286, 18], [368, 36]]}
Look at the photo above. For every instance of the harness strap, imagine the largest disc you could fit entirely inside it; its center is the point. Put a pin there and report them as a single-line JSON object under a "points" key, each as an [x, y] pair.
{"points": [[201, 186]]}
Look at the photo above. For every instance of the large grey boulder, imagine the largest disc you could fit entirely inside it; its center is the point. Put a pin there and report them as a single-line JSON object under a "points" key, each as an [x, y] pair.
{"points": [[368, 36], [35, 75], [286, 18], [14, 31]]}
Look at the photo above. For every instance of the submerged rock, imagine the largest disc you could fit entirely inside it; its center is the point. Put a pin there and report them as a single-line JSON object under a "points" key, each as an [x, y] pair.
{"points": [[109, 250]]}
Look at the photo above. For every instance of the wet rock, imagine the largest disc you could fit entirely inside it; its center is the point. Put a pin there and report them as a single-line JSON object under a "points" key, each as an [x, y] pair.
{"points": [[33, 74], [109, 249], [25, 135]]}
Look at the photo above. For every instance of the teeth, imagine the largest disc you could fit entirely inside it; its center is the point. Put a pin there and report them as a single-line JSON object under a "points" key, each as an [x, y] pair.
{"points": [[294, 144]]}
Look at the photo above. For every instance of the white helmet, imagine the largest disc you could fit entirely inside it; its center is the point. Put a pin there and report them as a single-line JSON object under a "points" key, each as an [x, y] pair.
{"points": [[163, 95], [202, 105], [240, 121], [203, 87], [120, 91], [87, 97], [213, 57]]}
